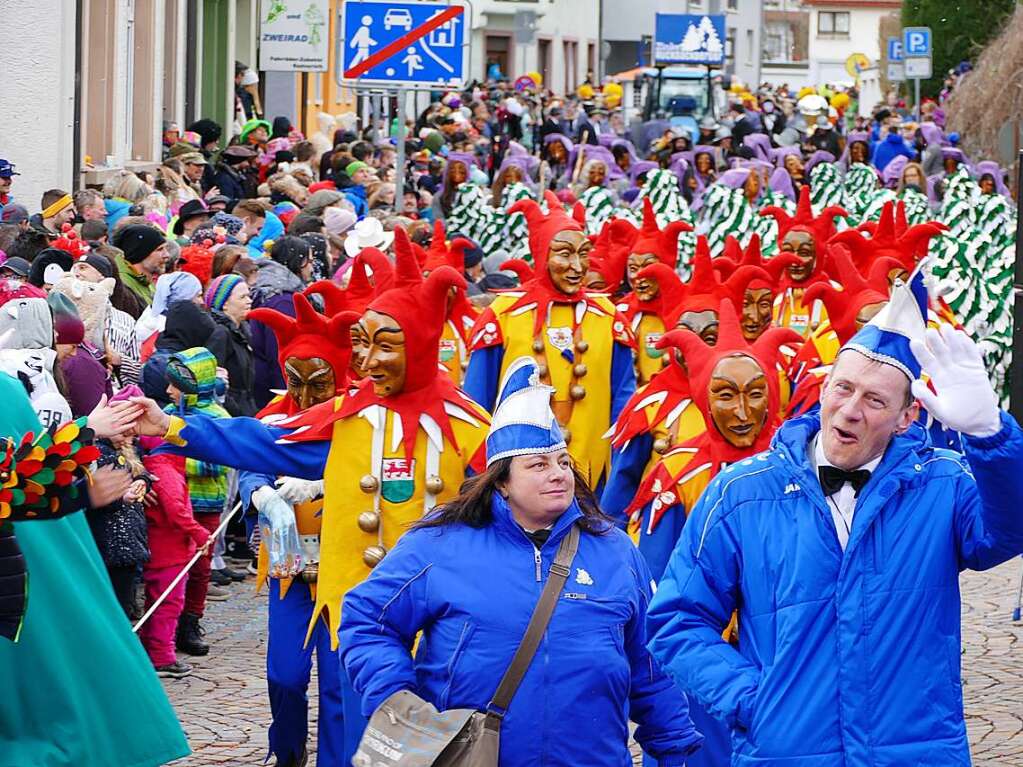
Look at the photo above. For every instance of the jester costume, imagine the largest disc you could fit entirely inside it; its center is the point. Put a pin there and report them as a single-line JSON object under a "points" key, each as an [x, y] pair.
{"points": [[674, 485], [307, 335], [85, 693], [581, 343]]}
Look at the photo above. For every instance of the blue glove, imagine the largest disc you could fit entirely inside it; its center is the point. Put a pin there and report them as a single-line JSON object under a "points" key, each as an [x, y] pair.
{"points": [[279, 531]]}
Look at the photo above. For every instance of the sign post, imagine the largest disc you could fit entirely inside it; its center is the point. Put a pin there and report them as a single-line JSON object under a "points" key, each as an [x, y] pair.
{"points": [[917, 48]]}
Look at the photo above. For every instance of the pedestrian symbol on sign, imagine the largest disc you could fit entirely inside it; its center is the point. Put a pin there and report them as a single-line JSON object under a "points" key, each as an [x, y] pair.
{"points": [[413, 61], [362, 41]]}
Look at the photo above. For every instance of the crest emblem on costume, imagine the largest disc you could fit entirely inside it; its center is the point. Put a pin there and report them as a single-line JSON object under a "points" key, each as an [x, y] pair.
{"points": [[397, 479], [650, 344], [560, 338], [447, 349], [582, 577]]}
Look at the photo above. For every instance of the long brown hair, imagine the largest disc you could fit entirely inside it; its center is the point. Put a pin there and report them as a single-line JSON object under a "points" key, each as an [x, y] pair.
{"points": [[472, 506]]}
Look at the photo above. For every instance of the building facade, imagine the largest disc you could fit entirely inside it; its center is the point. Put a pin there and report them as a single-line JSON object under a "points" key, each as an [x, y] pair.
{"points": [[839, 30]]}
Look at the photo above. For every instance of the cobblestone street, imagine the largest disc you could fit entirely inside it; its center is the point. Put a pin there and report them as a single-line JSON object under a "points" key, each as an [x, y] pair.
{"points": [[223, 705]]}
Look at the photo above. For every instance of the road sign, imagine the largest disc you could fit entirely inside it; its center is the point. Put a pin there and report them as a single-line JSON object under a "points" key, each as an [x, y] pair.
{"points": [[856, 63], [918, 68], [405, 44], [684, 38], [894, 49], [293, 35], [916, 42], [896, 72]]}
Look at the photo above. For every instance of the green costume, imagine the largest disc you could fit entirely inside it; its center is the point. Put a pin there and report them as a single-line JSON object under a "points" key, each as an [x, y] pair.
{"points": [[79, 688], [661, 186]]}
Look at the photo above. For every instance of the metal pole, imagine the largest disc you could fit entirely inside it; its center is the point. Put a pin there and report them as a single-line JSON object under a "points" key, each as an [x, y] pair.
{"points": [[399, 172], [1016, 365], [916, 96]]}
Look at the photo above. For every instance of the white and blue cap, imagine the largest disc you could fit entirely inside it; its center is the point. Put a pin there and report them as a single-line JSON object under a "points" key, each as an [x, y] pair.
{"points": [[523, 422], [886, 337]]}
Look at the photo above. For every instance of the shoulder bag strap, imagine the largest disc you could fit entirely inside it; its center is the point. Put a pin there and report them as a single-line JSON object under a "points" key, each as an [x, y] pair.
{"points": [[560, 569]]}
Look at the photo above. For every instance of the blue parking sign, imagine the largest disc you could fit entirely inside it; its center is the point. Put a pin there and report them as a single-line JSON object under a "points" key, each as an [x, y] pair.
{"points": [[404, 44], [895, 49], [916, 42]]}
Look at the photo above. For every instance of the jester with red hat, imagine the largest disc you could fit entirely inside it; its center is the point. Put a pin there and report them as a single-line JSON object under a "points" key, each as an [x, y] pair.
{"points": [[804, 235], [389, 449], [582, 345], [735, 389]]}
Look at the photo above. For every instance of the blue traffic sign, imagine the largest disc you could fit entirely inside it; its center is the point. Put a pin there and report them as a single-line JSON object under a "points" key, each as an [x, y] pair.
{"points": [[916, 42], [686, 38], [404, 44], [894, 49]]}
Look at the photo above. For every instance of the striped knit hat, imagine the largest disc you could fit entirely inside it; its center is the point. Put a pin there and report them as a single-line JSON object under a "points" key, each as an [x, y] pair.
{"points": [[219, 291]]}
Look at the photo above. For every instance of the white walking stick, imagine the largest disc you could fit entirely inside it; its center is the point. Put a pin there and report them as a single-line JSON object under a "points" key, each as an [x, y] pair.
{"points": [[177, 578]]}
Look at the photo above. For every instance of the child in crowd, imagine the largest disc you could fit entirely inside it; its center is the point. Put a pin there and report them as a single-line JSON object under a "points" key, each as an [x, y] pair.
{"points": [[174, 536]]}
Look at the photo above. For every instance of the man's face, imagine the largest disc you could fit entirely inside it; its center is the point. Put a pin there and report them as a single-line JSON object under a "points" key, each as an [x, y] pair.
{"points": [[93, 212], [987, 186], [645, 288], [793, 165], [801, 243], [382, 344], [259, 135], [568, 260], [863, 405], [310, 381], [738, 399], [5, 184], [194, 223], [154, 264], [704, 324], [66, 216], [362, 176], [193, 171], [757, 306]]}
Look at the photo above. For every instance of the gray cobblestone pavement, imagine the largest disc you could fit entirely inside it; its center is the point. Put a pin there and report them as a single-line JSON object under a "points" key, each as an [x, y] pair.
{"points": [[224, 711]]}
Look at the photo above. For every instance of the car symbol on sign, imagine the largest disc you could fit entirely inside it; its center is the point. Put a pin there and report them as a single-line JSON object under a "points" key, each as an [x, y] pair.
{"points": [[397, 17]]}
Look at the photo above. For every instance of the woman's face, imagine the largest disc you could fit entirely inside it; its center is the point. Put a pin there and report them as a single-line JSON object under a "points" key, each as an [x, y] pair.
{"points": [[703, 163], [539, 488], [557, 151], [457, 173], [950, 164], [597, 174], [793, 166], [987, 186], [911, 176], [238, 303], [386, 196], [858, 152], [752, 185], [623, 161], [512, 175]]}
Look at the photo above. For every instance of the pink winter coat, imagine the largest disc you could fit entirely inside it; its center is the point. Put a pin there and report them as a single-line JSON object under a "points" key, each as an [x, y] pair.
{"points": [[174, 535]]}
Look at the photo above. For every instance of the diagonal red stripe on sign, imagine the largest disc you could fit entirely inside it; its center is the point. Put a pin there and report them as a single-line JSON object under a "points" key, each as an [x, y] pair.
{"points": [[389, 50]]}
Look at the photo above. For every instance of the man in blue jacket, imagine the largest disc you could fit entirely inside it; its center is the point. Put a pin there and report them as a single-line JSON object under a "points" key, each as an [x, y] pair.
{"points": [[890, 147], [840, 548]]}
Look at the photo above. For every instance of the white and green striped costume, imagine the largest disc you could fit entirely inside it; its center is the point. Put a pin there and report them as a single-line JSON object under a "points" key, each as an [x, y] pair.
{"points": [[474, 217], [600, 207], [669, 205], [727, 212], [861, 186]]}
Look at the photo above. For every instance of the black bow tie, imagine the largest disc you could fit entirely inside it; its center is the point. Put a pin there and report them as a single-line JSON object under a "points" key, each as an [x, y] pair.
{"points": [[833, 478]]}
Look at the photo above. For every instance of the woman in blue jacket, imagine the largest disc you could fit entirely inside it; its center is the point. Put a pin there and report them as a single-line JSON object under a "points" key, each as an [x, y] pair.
{"points": [[468, 578]]}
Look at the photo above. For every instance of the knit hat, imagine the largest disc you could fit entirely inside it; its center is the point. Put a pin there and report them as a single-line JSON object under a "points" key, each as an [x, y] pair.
{"points": [[100, 263], [418, 307], [354, 167], [193, 372], [70, 330], [138, 241], [197, 260], [523, 422], [338, 220], [176, 286], [49, 266], [309, 334], [219, 291]]}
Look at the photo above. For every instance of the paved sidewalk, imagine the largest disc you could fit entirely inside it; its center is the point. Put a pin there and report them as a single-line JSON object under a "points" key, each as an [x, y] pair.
{"points": [[223, 705]]}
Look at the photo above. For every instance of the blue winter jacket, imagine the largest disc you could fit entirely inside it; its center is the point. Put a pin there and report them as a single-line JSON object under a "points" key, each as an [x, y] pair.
{"points": [[357, 197], [843, 660], [891, 147], [471, 592]]}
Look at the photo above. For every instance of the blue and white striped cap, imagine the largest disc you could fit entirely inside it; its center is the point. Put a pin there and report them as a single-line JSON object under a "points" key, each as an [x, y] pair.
{"points": [[523, 422]]}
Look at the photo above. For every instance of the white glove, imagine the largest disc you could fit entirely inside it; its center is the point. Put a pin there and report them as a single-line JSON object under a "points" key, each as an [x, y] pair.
{"points": [[295, 490], [279, 531], [965, 400]]}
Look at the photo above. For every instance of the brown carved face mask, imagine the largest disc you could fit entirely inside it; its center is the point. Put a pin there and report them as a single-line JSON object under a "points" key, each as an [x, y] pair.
{"points": [[568, 260], [383, 359], [646, 289], [310, 381], [757, 306], [801, 243], [738, 400]]}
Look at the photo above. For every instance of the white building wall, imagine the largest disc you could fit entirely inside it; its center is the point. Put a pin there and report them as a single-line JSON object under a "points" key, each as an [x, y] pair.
{"points": [[38, 95], [829, 53]]}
